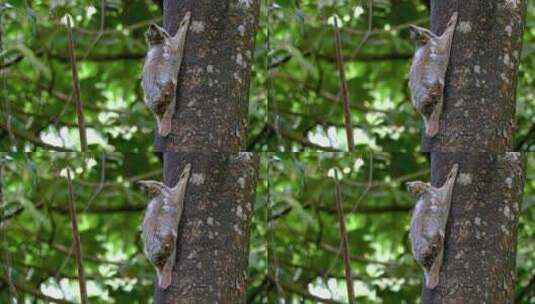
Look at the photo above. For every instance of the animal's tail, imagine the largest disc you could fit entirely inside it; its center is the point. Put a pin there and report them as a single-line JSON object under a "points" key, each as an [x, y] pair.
{"points": [[164, 277]]}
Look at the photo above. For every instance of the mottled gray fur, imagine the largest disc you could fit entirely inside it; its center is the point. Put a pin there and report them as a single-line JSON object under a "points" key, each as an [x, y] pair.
{"points": [[160, 72], [428, 70], [428, 225], [161, 222]]}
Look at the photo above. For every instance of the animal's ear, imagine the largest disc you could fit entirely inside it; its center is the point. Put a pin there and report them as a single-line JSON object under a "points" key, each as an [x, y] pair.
{"points": [[152, 187]]}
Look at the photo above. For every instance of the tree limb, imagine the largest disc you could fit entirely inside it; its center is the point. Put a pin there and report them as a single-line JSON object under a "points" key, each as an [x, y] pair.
{"points": [[343, 88], [301, 292], [297, 138], [76, 89], [31, 138], [76, 238], [345, 241], [32, 291]]}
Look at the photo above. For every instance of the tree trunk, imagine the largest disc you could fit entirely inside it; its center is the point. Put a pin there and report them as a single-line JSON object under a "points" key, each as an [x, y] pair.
{"points": [[480, 246], [211, 116], [479, 98], [213, 83], [478, 116], [213, 235]]}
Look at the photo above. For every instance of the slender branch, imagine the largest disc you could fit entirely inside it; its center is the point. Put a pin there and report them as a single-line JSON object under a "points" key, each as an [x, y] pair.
{"points": [[76, 238], [316, 118], [369, 57], [395, 181], [58, 247], [368, 31], [22, 114], [379, 31], [76, 89], [343, 88], [361, 57], [130, 28], [325, 94], [315, 269], [369, 209], [101, 57], [526, 138], [68, 251], [526, 290], [63, 97], [295, 137], [251, 296], [31, 138], [104, 209], [334, 250], [30, 290], [101, 29], [303, 293], [256, 139], [345, 241], [17, 59]]}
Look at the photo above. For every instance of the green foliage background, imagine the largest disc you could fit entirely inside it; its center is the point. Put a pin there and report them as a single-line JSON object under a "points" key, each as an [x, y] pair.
{"points": [[294, 238]]}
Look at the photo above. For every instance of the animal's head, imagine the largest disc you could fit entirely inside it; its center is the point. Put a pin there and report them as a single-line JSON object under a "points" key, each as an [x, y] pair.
{"points": [[419, 35], [151, 187], [417, 187], [156, 35]]}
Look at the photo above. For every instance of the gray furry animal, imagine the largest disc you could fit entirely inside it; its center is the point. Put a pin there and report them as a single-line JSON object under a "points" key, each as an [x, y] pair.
{"points": [[428, 70], [428, 225], [160, 72], [161, 222]]}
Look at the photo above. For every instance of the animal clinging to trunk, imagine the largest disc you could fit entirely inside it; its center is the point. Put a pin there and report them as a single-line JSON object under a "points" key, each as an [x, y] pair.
{"points": [[160, 71], [428, 70], [428, 225], [160, 224]]}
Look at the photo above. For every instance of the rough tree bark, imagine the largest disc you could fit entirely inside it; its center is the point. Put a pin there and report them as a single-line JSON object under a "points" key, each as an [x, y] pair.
{"points": [[213, 235], [480, 247], [479, 100], [213, 84]]}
